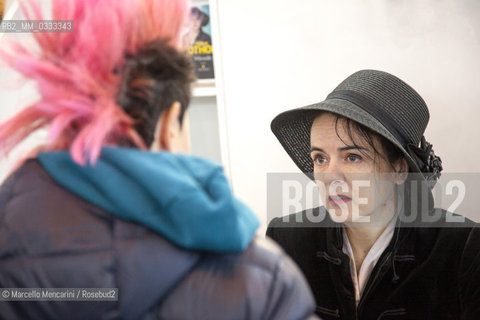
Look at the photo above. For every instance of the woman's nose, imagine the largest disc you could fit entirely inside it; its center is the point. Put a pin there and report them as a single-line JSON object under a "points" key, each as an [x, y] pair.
{"points": [[332, 172]]}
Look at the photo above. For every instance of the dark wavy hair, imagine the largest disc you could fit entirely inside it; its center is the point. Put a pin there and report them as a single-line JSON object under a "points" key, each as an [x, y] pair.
{"points": [[153, 79], [355, 131]]}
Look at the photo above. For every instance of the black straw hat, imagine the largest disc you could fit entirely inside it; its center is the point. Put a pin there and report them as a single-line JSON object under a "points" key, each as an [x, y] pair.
{"points": [[376, 100]]}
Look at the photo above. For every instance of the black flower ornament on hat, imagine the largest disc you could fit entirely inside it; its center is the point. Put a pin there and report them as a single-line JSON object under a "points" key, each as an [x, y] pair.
{"points": [[429, 163]]}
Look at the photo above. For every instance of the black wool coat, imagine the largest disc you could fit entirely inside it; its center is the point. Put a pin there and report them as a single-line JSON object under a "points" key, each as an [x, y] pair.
{"points": [[426, 272]]}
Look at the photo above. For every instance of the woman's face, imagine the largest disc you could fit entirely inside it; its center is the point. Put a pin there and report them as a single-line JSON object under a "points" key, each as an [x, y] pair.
{"points": [[352, 186], [196, 22]]}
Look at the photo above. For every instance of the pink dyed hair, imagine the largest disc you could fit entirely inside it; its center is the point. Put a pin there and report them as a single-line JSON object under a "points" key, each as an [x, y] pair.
{"points": [[75, 71]]}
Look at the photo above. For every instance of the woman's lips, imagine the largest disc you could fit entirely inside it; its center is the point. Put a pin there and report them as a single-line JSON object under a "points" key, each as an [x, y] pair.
{"points": [[339, 199]]}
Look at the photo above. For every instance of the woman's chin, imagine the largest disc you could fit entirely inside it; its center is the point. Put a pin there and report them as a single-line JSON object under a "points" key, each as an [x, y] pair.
{"points": [[345, 214], [339, 214]]}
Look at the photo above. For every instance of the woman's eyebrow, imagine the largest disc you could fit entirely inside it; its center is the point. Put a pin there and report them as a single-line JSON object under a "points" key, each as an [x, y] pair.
{"points": [[313, 148]]}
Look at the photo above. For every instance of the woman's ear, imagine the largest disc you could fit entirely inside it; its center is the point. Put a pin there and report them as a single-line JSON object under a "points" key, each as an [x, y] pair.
{"points": [[170, 135], [170, 126], [401, 171]]}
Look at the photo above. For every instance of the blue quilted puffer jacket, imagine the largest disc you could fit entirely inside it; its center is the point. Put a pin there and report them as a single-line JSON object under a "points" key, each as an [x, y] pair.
{"points": [[164, 229]]}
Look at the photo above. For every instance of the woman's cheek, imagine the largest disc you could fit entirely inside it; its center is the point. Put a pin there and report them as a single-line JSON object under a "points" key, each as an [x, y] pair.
{"points": [[384, 190], [362, 201], [361, 185]]}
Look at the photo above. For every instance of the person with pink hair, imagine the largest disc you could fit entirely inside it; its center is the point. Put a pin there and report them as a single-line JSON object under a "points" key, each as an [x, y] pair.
{"points": [[113, 200]]}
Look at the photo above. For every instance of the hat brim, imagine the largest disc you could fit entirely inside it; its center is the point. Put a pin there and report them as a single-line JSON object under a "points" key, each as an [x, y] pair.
{"points": [[292, 129]]}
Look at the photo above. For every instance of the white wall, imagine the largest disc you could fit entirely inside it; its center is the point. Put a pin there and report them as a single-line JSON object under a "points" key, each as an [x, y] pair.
{"points": [[204, 131], [283, 54]]}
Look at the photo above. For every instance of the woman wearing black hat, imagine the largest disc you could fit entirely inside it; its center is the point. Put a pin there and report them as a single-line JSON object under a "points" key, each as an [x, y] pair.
{"points": [[198, 19], [377, 249]]}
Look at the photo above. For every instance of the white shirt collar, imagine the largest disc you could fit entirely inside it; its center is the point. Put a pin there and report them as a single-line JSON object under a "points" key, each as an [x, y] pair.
{"points": [[360, 279]]}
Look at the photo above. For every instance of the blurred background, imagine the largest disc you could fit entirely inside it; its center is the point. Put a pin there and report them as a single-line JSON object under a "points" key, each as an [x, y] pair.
{"points": [[273, 55]]}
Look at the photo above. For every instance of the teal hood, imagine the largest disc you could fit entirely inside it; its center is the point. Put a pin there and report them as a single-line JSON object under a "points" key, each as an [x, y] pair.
{"points": [[184, 198]]}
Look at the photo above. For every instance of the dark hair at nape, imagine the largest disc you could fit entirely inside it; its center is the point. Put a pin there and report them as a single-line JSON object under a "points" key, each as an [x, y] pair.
{"points": [[153, 79], [353, 129]]}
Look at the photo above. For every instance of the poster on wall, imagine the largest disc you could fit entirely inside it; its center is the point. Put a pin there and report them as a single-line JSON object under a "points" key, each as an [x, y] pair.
{"points": [[2, 8], [198, 40]]}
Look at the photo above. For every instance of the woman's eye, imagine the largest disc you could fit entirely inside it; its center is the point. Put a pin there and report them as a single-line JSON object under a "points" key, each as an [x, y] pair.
{"points": [[319, 159], [353, 158]]}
